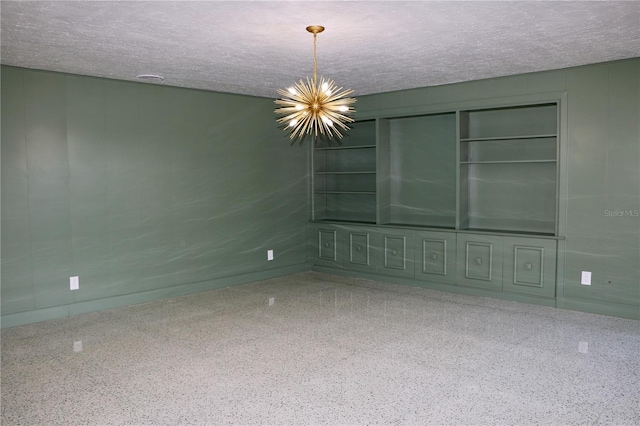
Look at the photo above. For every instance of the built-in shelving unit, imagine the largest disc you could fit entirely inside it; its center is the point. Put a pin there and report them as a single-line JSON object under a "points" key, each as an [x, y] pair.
{"points": [[465, 198], [488, 170], [507, 169], [344, 180]]}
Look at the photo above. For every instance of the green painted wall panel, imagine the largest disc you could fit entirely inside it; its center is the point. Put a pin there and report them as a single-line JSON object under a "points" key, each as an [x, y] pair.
{"points": [[498, 88], [17, 275], [588, 89], [124, 159], [157, 145], [415, 97], [364, 103], [551, 81], [137, 188], [48, 189], [621, 279], [192, 198], [87, 160], [448, 93]]}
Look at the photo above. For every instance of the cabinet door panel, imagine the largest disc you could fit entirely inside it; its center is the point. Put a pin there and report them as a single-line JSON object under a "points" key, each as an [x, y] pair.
{"points": [[360, 246], [395, 250], [328, 244], [530, 266], [479, 257], [480, 261], [436, 256], [325, 246], [397, 255]]}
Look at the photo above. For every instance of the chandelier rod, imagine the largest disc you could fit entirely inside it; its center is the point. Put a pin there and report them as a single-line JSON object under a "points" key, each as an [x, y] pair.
{"points": [[315, 35], [315, 29]]}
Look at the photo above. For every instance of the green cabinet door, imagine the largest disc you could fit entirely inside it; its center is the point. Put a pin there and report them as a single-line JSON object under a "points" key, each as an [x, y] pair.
{"points": [[325, 246], [530, 266], [360, 249], [435, 256], [479, 261], [396, 249]]}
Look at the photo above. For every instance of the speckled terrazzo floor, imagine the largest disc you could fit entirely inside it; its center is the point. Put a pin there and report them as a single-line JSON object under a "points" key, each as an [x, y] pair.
{"points": [[319, 349]]}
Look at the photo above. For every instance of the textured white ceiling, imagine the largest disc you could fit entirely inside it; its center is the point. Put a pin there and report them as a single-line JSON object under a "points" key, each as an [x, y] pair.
{"points": [[255, 48]]}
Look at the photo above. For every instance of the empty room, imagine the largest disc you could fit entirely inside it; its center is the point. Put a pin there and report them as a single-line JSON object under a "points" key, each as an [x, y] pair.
{"points": [[320, 213]]}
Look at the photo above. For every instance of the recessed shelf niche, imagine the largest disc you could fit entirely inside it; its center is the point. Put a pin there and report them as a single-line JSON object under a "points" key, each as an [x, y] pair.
{"points": [[420, 159], [508, 169], [344, 180]]}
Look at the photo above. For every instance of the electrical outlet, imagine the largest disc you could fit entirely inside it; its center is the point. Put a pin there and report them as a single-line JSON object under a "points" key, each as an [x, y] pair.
{"points": [[74, 283], [272, 301], [269, 254], [586, 278], [77, 346]]}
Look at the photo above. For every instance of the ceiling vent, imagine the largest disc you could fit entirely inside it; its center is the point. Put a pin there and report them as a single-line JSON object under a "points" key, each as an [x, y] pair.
{"points": [[153, 78]]}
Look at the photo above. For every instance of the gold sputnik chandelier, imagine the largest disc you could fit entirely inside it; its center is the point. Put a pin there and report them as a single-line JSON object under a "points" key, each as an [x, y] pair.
{"points": [[315, 107]]}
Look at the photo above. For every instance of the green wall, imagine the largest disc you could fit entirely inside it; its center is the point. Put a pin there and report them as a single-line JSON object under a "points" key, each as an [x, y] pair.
{"points": [[143, 191], [148, 191], [600, 169]]}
